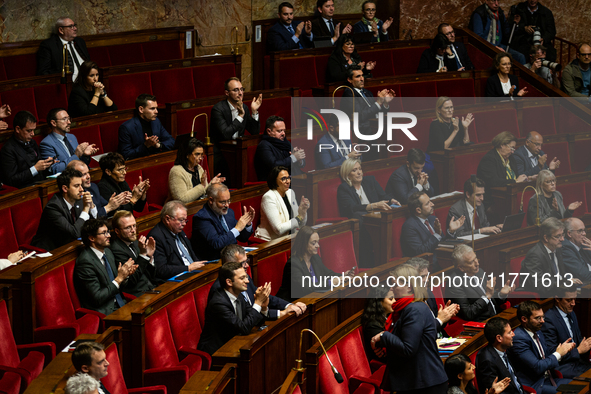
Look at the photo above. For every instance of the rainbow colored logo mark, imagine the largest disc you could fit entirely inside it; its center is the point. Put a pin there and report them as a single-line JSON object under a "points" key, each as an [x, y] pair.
{"points": [[315, 115]]}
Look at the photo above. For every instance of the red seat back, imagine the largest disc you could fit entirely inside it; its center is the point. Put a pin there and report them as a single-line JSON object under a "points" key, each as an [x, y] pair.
{"points": [[20, 66], [254, 202], [114, 381], [270, 269], [396, 232], [406, 60], [419, 90], [461, 89], [209, 80], [160, 349], [161, 50], [291, 74], [9, 242], [384, 65], [560, 151], [184, 322], [515, 268], [251, 174], [338, 252], [540, 119], [48, 97], [574, 192], [158, 176], [25, 220], [100, 55], [465, 165], [184, 119], [126, 54], [421, 131], [69, 273], [321, 62], [11, 383], [326, 375], [19, 100], [491, 123], [8, 351], [128, 87], [172, 85], [352, 355], [52, 299], [200, 295], [382, 176], [280, 106], [92, 135], [110, 135], [327, 198]]}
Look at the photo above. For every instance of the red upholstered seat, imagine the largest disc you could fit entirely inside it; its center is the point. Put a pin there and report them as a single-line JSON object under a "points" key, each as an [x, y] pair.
{"points": [[406, 60], [9, 242], [280, 106], [251, 174], [461, 89], [100, 55], [328, 384], [200, 295], [441, 214], [396, 232], [540, 119], [126, 54], [25, 220], [161, 50], [19, 100], [382, 176], [491, 123], [172, 85], [184, 120], [321, 62], [574, 192], [559, 150], [124, 89], [568, 122], [158, 176], [465, 165], [354, 360], [56, 316], [292, 73], [254, 202], [425, 93], [308, 146], [11, 383], [384, 66], [31, 365], [48, 97], [421, 131], [515, 268], [582, 149], [209, 80], [270, 269], [114, 381], [337, 252], [327, 201], [20, 66], [2, 70], [110, 135]]}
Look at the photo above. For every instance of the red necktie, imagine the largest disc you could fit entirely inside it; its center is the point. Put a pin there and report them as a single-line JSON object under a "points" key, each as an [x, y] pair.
{"points": [[429, 227], [537, 338], [476, 221]]}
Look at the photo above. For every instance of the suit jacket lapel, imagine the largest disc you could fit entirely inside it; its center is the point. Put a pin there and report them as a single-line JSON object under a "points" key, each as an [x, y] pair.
{"points": [[94, 258], [423, 227], [59, 145], [217, 223], [172, 242]]}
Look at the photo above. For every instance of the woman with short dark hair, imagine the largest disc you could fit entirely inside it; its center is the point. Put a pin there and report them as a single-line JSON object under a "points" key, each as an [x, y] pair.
{"points": [[343, 57], [501, 83], [88, 96], [373, 320], [460, 374], [439, 57], [113, 182]]}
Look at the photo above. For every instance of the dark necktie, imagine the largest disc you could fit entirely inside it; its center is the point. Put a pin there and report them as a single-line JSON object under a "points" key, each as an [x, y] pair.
{"points": [[537, 338], [364, 97], [69, 146], [429, 227], [238, 309], [476, 221], [73, 55], [574, 328], [224, 225], [118, 298], [293, 34], [132, 251], [553, 265], [73, 214], [331, 28], [513, 377]]}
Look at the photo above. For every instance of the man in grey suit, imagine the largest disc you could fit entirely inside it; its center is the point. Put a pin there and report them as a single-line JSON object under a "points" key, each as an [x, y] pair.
{"points": [[530, 157], [65, 214], [576, 250], [477, 302], [465, 207], [97, 279]]}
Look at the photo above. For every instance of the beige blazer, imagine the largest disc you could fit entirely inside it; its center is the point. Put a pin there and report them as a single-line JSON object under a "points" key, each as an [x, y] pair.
{"points": [[180, 186], [275, 220]]}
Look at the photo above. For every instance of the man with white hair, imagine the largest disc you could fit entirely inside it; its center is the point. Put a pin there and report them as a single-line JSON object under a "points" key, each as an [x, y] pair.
{"points": [[82, 383], [576, 250]]}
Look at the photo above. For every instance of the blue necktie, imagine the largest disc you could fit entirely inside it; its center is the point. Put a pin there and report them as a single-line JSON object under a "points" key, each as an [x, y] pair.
{"points": [[293, 34], [118, 297], [69, 146], [183, 250], [224, 225], [513, 377], [331, 28]]}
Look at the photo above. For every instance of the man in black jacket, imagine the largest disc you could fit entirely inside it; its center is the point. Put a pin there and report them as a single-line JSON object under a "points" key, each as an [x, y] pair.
{"points": [[275, 150], [289, 34], [324, 26], [530, 16], [50, 54], [458, 48], [20, 159]]}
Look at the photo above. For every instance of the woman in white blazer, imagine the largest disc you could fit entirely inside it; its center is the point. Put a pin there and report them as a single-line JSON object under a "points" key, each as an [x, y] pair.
{"points": [[280, 212]]}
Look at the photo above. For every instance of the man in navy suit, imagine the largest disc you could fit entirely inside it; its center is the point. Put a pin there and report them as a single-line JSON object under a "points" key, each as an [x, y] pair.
{"points": [[174, 253], [530, 157], [330, 150], [458, 48], [561, 324], [284, 36], [230, 120], [492, 361], [228, 313], [143, 134], [421, 232], [576, 250], [535, 358], [410, 178], [61, 145], [90, 358], [277, 307], [324, 26], [215, 226], [103, 206]]}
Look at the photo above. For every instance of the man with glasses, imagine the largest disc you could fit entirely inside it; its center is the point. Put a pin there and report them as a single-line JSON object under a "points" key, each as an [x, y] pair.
{"points": [[98, 279], [576, 249], [128, 245], [369, 22], [144, 135], [173, 254], [530, 157], [61, 145], [576, 77], [534, 359], [458, 48], [215, 226], [50, 54], [545, 260], [231, 119]]}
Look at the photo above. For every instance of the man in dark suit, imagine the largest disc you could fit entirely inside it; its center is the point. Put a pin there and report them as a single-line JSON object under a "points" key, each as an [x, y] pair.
{"points": [[227, 313], [477, 302], [277, 307], [20, 158], [530, 157], [458, 48], [127, 245], [97, 278], [143, 134], [492, 361], [275, 150], [410, 178], [90, 358], [230, 119], [576, 250], [65, 214], [536, 360], [324, 26], [284, 36], [61, 145], [561, 324], [544, 260], [465, 208], [174, 253], [50, 54], [421, 232], [330, 151], [215, 226], [103, 206]]}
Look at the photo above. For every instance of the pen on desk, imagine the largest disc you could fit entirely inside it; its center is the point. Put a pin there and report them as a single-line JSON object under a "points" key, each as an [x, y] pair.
{"points": [[207, 387]]}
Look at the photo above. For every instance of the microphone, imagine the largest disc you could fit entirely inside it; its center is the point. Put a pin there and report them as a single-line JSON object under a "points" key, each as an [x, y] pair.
{"points": [[537, 203], [473, 182], [300, 364]]}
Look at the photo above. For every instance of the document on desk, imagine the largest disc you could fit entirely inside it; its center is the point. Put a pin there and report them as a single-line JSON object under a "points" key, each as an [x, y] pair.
{"points": [[476, 236]]}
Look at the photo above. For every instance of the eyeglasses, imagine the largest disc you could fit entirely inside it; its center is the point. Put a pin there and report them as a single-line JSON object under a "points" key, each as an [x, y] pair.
{"points": [[559, 236], [183, 221], [74, 26], [581, 231], [550, 181], [105, 233], [67, 119], [539, 318], [227, 202], [121, 169], [511, 147], [538, 144], [285, 178]]}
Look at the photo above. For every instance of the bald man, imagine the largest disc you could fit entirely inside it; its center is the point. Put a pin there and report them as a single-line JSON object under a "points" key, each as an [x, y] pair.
{"points": [[531, 159], [576, 250]]}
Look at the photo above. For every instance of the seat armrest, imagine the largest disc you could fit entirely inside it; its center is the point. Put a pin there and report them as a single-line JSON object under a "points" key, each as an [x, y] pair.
{"points": [[45, 348], [152, 389], [174, 378], [184, 351], [355, 381]]}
